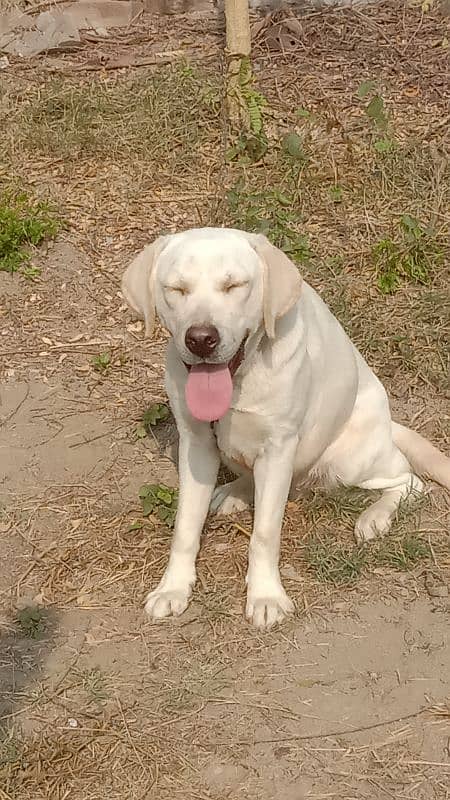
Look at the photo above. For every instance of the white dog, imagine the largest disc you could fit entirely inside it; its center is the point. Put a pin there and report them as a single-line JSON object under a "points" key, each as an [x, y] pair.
{"points": [[260, 373]]}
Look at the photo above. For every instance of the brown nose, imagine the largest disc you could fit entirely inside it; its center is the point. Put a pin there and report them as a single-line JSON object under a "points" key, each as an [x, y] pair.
{"points": [[201, 340]]}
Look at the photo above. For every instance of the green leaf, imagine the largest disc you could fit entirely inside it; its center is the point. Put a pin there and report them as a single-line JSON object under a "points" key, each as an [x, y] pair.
{"points": [[302, 113], [146, 489], [165, 495], [376, 111], [283, 199], [365, 88], [135, 526], [384, 145], [167, 515], [232, 153], [140, 431], [336, 194], [411, 226], [158, 412], [292, 145], [148, 505]]}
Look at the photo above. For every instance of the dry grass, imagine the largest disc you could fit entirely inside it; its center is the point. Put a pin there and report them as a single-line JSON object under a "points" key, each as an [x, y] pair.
{"points": [[159, 119], [119, 142], [125, 157]]}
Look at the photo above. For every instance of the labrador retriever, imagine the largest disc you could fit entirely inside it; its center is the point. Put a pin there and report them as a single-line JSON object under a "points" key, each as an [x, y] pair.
{"points": [[261, 374]]}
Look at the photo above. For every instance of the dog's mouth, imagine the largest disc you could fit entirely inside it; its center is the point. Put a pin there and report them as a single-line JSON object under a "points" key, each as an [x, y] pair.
{"points": [[209, 387]]}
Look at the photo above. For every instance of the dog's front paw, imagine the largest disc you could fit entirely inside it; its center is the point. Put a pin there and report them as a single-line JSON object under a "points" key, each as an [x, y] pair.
{"points": [[160, 604], [266, 610]]}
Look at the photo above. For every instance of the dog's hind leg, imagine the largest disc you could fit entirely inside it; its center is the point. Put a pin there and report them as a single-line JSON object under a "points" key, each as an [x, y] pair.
{"points": [[234, 496], [365, 456], [377, 519]]}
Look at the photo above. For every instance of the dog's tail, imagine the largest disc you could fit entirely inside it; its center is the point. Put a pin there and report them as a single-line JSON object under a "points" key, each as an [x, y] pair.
{"points": [[425, 459]]}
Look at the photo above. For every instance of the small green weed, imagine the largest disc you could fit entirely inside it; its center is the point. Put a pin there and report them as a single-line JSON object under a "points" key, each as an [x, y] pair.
{"points": [[269, 212], [32, 621], [137, 525], [157, 413], [101, 363], [251, 145], [342, 564], [94, 684], [375, 109], [23, 223], [160, 500], [384, 146], [293, 147], [337, 194], [365, 88], [302, 113], [411, 256]]}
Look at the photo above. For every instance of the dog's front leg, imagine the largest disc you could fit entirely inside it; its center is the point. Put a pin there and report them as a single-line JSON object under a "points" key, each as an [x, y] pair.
{"points": [[198, 467], [267, 602]]}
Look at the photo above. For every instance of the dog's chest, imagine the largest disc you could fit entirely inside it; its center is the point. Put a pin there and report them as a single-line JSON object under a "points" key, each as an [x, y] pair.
{"points": [[240, 437]]}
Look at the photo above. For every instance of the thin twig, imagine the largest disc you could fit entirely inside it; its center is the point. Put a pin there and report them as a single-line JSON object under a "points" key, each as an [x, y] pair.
{"points": [[307, 737], [42, 6], [17, 408]]}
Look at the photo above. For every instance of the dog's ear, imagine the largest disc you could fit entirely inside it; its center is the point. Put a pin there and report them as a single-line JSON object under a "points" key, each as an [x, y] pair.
{"points": [[282, 282], [137, 283]]}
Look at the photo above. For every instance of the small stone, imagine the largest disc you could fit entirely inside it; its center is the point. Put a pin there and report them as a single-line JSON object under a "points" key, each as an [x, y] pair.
{"points": [[288, 571], [435, 586]]}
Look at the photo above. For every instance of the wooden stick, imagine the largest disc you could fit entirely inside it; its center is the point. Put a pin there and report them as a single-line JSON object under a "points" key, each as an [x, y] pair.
{"points": [[237, 28], [238, 47]]}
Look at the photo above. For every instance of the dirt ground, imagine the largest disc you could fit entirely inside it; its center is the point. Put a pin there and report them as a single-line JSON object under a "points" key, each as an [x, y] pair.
{"points": [[349, 699]]}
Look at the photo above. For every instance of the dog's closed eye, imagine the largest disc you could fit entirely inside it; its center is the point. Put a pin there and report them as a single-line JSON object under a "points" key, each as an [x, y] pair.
{"points": [[230, 285], [183, 290]]}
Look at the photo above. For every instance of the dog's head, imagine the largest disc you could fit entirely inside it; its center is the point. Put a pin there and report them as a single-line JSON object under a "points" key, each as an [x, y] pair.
{"points": [[212, 288]]}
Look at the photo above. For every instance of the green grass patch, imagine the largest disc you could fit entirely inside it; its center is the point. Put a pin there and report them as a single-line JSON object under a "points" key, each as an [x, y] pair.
{"points": [[342, 564], [32, 621], [401, 554], [337, 564], [24, 223], [101, 363], [158, 116]]}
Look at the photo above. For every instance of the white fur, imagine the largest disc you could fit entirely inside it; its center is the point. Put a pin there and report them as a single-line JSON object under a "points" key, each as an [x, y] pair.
{"points": [[305, 403]]}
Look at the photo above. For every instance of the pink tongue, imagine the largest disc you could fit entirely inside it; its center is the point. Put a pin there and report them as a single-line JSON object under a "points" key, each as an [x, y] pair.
{"points": [[208, 391]]}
